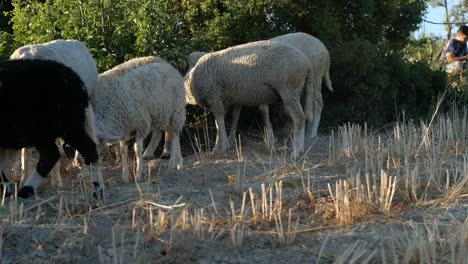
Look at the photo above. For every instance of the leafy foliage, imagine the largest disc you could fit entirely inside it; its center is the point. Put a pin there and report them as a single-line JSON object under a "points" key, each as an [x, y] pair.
{"points": [[366, 39]]}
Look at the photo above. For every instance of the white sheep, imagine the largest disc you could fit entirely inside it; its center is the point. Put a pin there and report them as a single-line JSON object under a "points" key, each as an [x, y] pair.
{"points": [[75, 55], [70, 52], [135, 98], [155, 138], [319, 58], [252, 74]]}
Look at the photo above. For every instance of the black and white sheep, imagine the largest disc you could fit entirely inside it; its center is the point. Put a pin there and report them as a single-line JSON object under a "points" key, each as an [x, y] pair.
{"points": [[138, 97], [41, 101], [252, 74], [72, 53]]}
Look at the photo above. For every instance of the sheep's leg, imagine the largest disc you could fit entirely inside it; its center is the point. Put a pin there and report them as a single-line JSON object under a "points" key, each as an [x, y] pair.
{"points": [[5, 185], [72, 153], [138, 148], [26, 164], [124, 159], [48, 157], [313, 120], [117, 153], [294, 108], [267, 129], [176, 161], [154, 142], [56, 179], [222, 143], [77, 160], [235, 120], [7, 157], [168, 138]]}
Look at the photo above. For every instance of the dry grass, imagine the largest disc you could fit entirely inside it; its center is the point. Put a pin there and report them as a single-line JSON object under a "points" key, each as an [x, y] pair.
{"points": [[254, 198], [431, 242]]}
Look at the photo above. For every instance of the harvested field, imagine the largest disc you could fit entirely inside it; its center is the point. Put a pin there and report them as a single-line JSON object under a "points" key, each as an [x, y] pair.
{"points": [[357, 196]]}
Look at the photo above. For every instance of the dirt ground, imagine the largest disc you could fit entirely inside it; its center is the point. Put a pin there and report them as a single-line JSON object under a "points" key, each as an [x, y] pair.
{"points": [[196, 215]]}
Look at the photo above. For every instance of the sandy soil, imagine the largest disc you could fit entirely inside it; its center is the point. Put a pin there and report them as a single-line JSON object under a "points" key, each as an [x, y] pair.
{"points": [[186, 216]]}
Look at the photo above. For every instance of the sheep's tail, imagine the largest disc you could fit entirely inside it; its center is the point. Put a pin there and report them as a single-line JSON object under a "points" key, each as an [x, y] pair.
{"points": [[326, 77]]}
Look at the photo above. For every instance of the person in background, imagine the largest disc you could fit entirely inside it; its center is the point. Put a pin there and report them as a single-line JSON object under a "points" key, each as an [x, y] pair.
{"points": [[456, 52]]}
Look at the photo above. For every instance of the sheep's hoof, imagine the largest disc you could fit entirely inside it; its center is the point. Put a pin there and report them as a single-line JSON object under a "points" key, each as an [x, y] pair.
{"points": [[5, 187], [165, 156], [26, 192], [174, 166]]}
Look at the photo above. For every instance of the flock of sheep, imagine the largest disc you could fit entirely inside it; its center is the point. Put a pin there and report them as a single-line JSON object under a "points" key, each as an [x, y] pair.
{"points": [[53, 97]]}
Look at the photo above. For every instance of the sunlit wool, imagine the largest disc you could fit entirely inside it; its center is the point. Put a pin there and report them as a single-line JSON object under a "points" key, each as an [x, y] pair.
{"points": [[137, 98], [252, 74]]}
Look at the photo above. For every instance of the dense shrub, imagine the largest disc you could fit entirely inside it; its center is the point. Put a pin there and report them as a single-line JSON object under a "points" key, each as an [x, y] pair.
{"points": [[372, 78]]}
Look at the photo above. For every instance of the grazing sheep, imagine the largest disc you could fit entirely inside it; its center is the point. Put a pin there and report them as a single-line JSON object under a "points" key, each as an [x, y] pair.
{"points": [[319, 58], [252, 74], [122, 68], [192, 60], [139, 100], [41, 101], [72, 53], [131, 64]]}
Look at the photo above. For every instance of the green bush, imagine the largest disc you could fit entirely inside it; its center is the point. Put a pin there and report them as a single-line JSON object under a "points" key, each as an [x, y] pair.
{"points": [[114, 31], [377, 88], [372, 81], [6, 44]]}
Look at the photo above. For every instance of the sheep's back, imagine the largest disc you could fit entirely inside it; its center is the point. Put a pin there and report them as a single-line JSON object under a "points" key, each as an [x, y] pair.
{"points": [[248, 74], [132, 64], [47, 104], [72, 53], [312, 48]]}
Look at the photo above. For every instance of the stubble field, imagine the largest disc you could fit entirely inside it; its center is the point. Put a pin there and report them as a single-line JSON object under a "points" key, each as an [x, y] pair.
{"points": [[394, 195]]}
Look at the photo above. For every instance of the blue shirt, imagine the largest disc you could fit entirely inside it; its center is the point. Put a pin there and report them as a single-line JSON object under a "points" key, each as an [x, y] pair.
{"points": [[456, 47]]}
